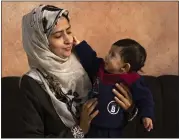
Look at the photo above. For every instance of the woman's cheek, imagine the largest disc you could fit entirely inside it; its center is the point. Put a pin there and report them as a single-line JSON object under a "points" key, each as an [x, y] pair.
{"points": [[71, 38]]}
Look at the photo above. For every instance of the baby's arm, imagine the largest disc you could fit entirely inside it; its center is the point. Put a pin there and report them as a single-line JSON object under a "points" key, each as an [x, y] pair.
{"points": [[144, 101], [87, 56]]}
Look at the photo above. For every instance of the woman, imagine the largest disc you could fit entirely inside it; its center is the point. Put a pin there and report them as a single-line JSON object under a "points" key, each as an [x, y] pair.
{"points": [[56, 86]]}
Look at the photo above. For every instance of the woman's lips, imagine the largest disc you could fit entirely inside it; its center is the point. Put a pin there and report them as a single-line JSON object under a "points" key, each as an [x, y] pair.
{"points": [[67, 49]]}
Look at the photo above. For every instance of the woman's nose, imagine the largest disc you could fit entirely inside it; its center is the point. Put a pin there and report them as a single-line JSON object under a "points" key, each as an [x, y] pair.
{"points": [[67, 38]]}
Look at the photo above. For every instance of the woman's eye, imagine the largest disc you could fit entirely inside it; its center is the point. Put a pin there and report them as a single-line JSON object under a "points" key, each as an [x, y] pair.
{"points": [[69, 32], [58, 36]]}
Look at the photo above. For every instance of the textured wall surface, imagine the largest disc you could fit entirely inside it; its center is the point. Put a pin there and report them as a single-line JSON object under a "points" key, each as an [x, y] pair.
{"points": [[153, 24]]}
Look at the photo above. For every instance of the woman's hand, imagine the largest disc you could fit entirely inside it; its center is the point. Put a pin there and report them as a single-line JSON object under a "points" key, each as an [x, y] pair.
{"points": [[123, 96], [87, 115]]}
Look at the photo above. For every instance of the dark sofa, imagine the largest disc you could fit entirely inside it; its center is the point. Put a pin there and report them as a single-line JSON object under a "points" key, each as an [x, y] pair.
{"points": [[165, 91]]}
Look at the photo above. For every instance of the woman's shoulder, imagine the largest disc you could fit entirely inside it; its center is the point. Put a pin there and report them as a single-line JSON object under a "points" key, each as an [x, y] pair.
{"points": [[31, 75], [31, 86], [30, 78], [34, 91], [27, 78], [26, 81]]}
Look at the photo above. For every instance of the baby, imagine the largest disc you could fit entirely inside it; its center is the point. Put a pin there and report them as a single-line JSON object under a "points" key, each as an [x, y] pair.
{"points": [[125, 58]]}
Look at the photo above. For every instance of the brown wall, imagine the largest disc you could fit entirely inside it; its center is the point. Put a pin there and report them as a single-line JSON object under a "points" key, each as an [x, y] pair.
{"points": [[153, 24]]}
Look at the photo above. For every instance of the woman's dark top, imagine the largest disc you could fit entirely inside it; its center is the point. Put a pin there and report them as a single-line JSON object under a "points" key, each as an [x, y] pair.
{"points": [[39, 116]]}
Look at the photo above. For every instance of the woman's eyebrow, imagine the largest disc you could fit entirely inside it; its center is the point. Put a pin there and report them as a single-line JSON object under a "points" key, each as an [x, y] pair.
{"points": [[60, 31], [69, 27]]}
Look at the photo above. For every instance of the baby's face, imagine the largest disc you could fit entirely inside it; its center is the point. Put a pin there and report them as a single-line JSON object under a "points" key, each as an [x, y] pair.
{"points": [[113, 61]]}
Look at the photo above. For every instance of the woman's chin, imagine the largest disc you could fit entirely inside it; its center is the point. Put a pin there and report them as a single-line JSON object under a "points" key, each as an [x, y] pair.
{"points": [[67, 54]]}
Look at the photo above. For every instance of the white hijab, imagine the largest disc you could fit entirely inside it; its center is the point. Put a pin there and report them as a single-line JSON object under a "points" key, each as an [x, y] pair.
{"points": [[68, 71]]}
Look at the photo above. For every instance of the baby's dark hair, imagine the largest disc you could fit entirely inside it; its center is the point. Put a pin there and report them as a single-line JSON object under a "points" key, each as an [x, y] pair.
{"points": [[132, 52]]}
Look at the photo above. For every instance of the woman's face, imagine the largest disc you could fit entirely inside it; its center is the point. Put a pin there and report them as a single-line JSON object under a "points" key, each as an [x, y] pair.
{"points": [[61, 39]]}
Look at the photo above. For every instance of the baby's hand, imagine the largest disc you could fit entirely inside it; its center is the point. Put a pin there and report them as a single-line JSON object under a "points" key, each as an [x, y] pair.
{"points": [[147, 123], [75, 41]]}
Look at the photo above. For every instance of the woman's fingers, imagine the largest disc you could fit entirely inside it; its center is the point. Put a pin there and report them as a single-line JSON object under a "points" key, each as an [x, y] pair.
{"points": [[93, 115], [127, 90], [125, 87], [89, 103], [120, 97], [120, 103], [118, 94], [90, 109], [86, 118], [123, 90]]}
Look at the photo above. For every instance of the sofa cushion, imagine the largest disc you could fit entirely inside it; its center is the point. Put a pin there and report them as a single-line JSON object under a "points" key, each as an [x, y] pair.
{"points": [[170, 98], [10, 107], [165, 93]]}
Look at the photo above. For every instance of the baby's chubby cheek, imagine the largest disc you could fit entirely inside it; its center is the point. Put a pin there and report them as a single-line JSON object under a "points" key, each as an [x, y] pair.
{"points": [[105, 66]]}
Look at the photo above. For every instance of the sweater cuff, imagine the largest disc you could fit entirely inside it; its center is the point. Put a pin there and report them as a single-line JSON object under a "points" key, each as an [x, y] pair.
{"points": [[132, 114], [82, 43], [147, 112]]}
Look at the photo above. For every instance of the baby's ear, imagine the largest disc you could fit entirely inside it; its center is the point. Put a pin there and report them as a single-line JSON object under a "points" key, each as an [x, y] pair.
{"points": [[126, 67]]}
